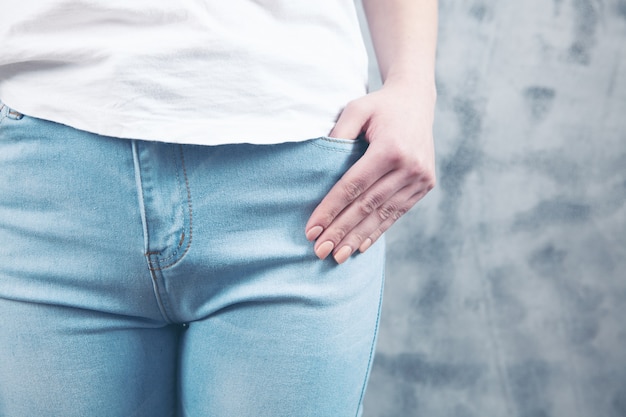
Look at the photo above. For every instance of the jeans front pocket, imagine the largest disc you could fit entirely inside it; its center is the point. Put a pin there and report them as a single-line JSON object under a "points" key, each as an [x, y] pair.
{"points": [[344, 145]]}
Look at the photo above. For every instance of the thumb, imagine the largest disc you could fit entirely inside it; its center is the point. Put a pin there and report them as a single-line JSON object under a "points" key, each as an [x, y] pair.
{"points": [[351, 121]]}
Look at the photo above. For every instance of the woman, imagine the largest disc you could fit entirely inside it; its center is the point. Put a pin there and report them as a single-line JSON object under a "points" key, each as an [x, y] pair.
{"points": [[192, 196]]}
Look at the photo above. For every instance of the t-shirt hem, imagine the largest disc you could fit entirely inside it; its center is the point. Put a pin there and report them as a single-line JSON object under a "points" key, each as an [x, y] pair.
{"points": [[255, 130]]}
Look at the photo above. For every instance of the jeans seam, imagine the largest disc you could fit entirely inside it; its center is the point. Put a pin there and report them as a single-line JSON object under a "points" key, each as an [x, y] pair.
{"points": [[3, 115], [373, 346], [190, 211], [175, 253], [153, 277]]}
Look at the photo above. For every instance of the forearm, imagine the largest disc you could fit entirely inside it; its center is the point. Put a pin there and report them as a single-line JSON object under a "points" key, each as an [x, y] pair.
{"points": [[404, 33]]}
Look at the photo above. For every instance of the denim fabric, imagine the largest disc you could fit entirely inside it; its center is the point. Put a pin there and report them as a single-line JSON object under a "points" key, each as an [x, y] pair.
{"points": [[156, 279]]}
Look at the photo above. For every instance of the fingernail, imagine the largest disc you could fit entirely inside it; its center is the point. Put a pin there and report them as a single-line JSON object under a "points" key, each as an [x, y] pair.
{"points": [[343, 254], [314, 232], [365, 245], [324, 249]]}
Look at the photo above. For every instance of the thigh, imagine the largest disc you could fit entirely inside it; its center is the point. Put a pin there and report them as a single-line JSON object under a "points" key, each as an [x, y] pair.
{"points": [[296, 352], [279, 332], [81, 333], [61, 361]]}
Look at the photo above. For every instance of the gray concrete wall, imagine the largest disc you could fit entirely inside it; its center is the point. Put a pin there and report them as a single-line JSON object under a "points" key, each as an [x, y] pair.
{"points": [[506, 286]]}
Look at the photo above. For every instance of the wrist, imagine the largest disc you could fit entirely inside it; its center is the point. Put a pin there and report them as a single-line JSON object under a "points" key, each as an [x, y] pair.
{"points": [[422, 87]]}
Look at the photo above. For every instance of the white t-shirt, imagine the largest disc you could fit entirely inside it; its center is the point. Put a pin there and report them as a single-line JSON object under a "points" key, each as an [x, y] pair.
{"points": [[187, 71]]}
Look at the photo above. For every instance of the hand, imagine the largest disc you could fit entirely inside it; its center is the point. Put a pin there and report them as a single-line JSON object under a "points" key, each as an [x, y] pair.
{"points": [[396, 171]]}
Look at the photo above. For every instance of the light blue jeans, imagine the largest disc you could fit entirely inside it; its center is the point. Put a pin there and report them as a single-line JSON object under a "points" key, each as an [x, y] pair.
{"points": [[153, 279]]}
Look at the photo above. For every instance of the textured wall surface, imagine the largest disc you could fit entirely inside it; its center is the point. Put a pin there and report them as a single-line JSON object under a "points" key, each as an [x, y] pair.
{"points": [[506, 286]]}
